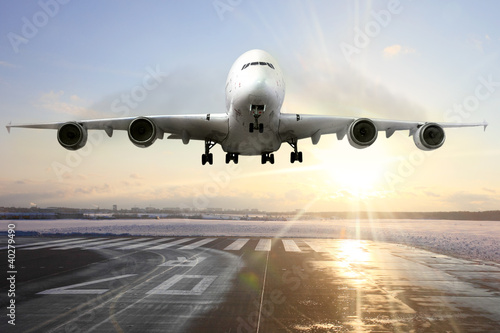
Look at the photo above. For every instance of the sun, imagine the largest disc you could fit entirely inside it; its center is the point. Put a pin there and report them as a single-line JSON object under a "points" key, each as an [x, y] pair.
{"points": [[349, 172]]}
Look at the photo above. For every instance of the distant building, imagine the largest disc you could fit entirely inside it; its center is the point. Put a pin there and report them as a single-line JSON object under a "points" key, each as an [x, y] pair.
{"points": [[115, 208]]}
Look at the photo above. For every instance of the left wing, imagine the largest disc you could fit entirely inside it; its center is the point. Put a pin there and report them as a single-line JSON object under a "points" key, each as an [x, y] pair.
{"points": [[143, 131], [362, 132]]}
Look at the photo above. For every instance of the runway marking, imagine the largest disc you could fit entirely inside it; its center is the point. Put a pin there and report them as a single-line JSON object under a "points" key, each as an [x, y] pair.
{"points": [[59, 245], [237, 245], [151, 242], [93, 246], [164, 246], [290, 246], [128, 241], [41, 243], [315, 246], [183, 262], [198, 289], [197, 244], [68, 291], [263, 245], [89, 243]]}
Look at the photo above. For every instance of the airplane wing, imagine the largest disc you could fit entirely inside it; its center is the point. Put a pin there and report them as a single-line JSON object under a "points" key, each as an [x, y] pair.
{"points": [[143, 130], [362, 132]]}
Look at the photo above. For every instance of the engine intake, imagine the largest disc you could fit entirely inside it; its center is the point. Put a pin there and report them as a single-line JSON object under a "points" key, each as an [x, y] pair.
{"points": [[72, 136], [142, 132], [362, 133], [429, 136]]}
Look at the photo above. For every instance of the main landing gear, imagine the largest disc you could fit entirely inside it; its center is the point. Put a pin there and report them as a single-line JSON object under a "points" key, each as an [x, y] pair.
{"points": [[267, 158], [232, 157], [295, 155], [208, 156]]}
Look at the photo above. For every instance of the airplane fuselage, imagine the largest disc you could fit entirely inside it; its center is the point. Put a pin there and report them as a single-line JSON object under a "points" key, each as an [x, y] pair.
{"points": [[255, 91]]}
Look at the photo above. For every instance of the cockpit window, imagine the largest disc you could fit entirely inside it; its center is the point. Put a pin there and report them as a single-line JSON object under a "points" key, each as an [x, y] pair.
{"points": [[255, 63]]}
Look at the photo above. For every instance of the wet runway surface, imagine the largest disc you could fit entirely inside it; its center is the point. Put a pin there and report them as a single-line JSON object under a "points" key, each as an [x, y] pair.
{"points": [[230, 284]]}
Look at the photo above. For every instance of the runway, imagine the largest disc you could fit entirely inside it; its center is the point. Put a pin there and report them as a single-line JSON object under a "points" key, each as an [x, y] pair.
{"points": [[247, 284]]}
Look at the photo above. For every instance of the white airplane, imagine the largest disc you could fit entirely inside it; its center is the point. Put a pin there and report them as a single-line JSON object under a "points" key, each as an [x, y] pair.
{"points": [[253, 123]]}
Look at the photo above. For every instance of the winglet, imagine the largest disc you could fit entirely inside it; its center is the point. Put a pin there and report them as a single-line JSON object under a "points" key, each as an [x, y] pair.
{"points": [[8, 127], [485, 124]]}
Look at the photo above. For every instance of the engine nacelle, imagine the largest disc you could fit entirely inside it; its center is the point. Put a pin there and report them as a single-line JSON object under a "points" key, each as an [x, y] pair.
{"points": [[142, 132], [72, 136], [429, 136], [362, 133]]}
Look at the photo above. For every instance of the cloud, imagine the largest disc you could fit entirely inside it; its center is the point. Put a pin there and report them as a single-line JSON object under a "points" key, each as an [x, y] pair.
{"points": [[489, 190], [432, 194], [57, 101], [396, 50], [7, 64]]}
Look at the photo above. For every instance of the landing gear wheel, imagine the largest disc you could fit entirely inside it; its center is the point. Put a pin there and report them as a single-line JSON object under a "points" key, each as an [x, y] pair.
{"points": [[208, 157], [250, 127], [295, 155], [267, 157], [261, 128], [232, 157]]}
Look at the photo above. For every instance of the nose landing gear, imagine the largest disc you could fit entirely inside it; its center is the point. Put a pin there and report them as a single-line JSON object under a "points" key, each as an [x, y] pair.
{"points": [[257, 111]]}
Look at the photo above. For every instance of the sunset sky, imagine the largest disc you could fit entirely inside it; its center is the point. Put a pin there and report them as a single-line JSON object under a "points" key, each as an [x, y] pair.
{"points": [[408, 60]]}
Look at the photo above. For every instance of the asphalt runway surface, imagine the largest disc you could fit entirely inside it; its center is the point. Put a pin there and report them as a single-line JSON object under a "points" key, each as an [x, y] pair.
{"points": [[231, 284]]}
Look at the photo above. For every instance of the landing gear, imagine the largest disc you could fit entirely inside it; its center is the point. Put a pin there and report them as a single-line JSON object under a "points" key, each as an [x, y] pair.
{"points": [[208, 157], [295, 155], [257, 111], [232, 157], [267, 158], [255, 125]]}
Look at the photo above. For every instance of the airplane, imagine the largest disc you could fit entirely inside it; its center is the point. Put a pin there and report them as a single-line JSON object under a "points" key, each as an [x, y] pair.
{"points": [[253, 123]]}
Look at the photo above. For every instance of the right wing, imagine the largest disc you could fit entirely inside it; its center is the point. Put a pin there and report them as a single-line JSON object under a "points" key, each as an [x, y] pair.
{"points": [[362, 132]]}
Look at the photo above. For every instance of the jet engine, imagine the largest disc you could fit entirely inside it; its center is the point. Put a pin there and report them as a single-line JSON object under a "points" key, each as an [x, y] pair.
{"points": [[429, 136], [72, 136], [362, 133], [142, 132]]}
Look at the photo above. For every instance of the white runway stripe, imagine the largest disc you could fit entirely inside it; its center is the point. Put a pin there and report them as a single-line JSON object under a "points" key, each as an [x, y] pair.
{"points": [[237, 245], [89, 242], [128, 241], [197, 244], [164, 246], [42, 243], [263, 245], [151, 242], [59, 244], [316, 248], [290, 246], [86, 246]]}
